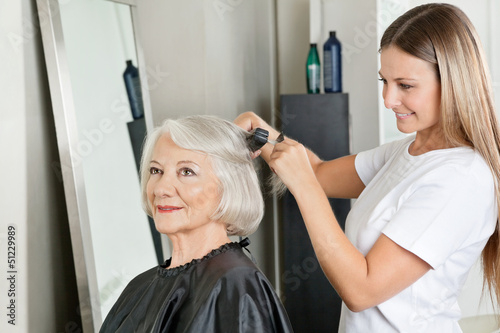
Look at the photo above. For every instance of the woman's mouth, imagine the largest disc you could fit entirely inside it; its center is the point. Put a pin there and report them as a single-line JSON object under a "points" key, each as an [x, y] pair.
{"points": [[168, 209], [404, 115]]}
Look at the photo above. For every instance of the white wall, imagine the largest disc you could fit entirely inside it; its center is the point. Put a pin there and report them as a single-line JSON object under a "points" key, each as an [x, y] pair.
{"points": [[31, 194]]}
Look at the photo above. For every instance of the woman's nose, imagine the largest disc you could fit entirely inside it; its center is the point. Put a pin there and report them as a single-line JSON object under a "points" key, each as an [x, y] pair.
{"points": [[165, 186], [391, 96]]}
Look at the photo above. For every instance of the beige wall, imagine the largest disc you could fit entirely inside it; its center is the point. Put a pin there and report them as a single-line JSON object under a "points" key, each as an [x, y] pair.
{"points": [[32, 196], [292, 21], [211, 57]]}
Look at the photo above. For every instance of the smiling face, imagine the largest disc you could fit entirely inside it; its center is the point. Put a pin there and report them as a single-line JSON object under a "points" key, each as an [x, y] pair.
{"points": [[182, 189], [412, 90]]}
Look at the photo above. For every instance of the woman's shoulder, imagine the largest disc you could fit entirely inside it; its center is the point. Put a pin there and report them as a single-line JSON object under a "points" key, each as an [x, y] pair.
{"points": [[234, 272], [232, 266], [136, 286], [141, 280], [226, 260], [383, 153], [456, 170], [232, 260], [459, 161]]}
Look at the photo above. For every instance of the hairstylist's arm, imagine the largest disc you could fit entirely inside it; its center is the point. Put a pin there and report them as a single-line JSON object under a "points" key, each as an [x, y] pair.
{"points": [[361, 281], [338, 177]]}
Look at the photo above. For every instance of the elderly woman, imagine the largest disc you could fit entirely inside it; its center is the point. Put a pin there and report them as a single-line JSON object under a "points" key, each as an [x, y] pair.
{"points": [[200, 186]]}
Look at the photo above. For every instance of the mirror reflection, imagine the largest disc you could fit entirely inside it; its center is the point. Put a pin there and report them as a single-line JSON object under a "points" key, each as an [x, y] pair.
{"points": [[97, 57]]}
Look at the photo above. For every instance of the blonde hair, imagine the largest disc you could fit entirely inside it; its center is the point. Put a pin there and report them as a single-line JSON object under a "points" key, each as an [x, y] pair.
{"points": [[241, 204], [442, 35]]}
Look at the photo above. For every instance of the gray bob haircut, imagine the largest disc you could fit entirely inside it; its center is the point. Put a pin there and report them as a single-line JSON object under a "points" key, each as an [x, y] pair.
{"points": [[241, 205]]}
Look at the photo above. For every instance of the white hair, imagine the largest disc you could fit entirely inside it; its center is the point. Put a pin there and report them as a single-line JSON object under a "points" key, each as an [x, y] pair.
{"points": [[241, 204]]}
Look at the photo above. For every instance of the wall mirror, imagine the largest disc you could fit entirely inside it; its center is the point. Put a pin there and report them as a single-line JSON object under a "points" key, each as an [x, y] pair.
{"points": [[87, 44]]}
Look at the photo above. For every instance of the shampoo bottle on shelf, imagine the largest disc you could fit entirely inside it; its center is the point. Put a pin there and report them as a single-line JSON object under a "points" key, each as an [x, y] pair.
{"points": [[313, 71], [133, 86], [332, 64]]}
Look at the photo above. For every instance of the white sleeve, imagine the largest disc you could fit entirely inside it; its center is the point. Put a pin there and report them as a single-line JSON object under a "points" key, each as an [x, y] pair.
{"points": [[445, 211], [368, 163]]}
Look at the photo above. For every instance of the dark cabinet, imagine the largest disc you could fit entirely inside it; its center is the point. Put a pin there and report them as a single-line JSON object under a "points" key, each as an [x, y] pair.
{"points": [[321, 123]]}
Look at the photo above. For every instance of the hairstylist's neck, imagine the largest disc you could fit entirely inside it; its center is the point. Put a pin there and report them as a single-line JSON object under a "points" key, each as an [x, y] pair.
{"points": [[195, 244], [426, 142]]}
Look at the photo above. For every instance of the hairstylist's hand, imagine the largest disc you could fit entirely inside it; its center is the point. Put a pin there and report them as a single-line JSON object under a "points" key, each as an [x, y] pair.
{"points": [[249, 121], [290, 162]]}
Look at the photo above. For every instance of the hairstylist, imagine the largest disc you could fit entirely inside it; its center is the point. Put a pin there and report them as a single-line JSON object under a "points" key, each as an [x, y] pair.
{"points": [[427, 205]]}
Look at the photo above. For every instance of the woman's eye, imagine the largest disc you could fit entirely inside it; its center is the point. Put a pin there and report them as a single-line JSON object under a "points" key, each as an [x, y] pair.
{"points": [[382, 80], [186, 172], [154, 171], [404, 86]]}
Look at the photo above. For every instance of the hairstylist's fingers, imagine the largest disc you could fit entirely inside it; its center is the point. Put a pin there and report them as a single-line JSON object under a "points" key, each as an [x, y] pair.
{"points": [[255, 154], [281, 148], [285, 142], [248, 121]]}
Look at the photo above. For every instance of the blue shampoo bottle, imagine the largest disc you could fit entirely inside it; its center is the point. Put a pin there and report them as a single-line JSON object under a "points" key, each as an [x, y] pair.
{"points": [[133, 85], [332, 64]]}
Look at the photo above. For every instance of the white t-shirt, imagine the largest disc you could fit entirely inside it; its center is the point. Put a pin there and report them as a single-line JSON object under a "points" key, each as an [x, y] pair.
{"points": [[441, 206]]}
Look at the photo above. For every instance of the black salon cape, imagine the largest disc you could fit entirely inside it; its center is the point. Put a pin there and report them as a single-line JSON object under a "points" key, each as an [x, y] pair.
{"points": [[222, 292]]}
